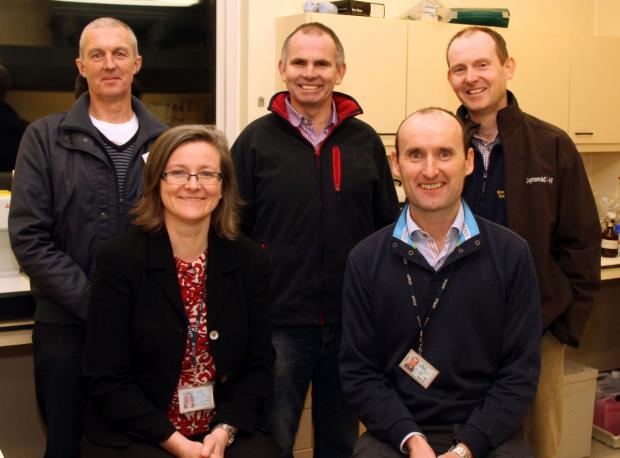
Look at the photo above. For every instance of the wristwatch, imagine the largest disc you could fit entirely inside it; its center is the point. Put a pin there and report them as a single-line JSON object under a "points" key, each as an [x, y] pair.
{"points": [[461, 451], [230, 430]]}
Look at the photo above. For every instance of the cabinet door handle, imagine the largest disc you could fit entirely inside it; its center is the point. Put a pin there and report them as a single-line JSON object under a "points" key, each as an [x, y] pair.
{"points": [[584, 133]]}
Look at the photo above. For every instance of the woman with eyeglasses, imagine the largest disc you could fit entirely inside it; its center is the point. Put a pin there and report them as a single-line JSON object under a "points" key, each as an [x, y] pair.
{"points": [[179, 344]]}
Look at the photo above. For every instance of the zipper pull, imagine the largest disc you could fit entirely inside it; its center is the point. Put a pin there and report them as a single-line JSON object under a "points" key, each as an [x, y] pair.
{"points": [[483, 192]]}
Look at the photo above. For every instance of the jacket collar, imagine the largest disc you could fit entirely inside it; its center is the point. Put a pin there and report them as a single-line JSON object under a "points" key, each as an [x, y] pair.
{"points": [[470, 227], [77, 119], [403, 246], [222, 261], [346, 106], [508, 118]]}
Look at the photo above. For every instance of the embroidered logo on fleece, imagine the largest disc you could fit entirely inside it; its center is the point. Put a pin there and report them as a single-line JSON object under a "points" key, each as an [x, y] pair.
{"points": [[544, 180]]}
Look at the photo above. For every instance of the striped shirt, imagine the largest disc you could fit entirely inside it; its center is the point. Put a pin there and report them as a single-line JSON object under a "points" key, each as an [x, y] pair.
{"points": [[306, 126], [121, 156], [119, 144]]}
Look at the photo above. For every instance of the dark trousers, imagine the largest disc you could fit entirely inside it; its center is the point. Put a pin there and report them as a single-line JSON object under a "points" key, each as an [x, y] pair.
{"points": [[257, 445], [440, 439], [60, 386], [305, 354]]}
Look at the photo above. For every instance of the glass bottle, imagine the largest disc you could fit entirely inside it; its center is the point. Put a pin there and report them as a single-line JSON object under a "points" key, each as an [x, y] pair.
{"points": [[609, 239]]}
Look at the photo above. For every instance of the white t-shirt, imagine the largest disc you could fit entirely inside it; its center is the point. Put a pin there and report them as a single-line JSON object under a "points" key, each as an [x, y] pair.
{"points": [[119, 134]]}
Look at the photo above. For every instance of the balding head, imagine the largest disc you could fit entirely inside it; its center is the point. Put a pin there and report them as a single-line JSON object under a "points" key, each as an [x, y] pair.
{"points": [[437, 111]]}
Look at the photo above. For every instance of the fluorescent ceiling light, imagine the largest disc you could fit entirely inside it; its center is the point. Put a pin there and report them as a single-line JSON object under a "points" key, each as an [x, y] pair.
{"points": [[138, 2]]}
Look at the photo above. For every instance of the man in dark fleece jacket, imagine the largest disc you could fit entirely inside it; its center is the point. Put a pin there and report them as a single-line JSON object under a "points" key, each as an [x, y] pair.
{"points": [[441, 324], [315, 181], [529, 177]]}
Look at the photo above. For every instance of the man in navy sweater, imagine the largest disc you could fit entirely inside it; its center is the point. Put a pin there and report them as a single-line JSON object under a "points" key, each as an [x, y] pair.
{"points": [[441, 325]]}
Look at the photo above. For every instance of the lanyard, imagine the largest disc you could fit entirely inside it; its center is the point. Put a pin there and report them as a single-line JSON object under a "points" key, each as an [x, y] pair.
{"points": [[193, 331], [423, 321]]}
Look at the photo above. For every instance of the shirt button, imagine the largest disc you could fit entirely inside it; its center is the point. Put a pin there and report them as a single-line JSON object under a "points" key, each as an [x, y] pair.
{"points": [[394, 245], [214, 335], [410, 252], [103, 215], [460, 250]]}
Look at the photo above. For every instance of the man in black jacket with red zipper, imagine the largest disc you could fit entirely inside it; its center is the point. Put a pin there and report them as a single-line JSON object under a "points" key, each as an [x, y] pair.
{"points": [[315, 181]]}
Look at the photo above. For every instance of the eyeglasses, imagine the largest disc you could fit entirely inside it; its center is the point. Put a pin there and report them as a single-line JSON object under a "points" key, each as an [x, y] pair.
{"points": [[182, 177]]}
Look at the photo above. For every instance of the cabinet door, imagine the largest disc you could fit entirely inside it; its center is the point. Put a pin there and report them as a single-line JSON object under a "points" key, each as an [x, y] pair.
{"points": [[540, 82], [595, 93], [427, 69], [375, 54]]}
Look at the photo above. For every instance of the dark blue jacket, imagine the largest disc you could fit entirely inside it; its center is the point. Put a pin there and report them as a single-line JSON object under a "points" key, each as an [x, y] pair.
{"points": [[65, 201], [483, 337]]}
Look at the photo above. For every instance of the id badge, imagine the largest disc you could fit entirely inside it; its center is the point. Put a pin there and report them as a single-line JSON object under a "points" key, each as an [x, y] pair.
{"points": [[193, 398], [418, 369]]}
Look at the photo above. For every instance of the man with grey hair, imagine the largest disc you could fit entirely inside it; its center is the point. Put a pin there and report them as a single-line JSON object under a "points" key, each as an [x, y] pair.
{"points": [[316, 181], [77, 176], [12, 127]]}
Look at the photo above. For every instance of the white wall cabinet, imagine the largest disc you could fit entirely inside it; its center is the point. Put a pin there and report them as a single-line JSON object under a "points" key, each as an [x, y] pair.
{"points": [[427, 83], [594, 116], [376, 58], [395, 67], [542, 76]]}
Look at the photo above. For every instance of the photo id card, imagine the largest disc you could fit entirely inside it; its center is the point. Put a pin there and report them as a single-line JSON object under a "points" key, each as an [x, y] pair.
{"points": [[193, 398], [418, 369]]}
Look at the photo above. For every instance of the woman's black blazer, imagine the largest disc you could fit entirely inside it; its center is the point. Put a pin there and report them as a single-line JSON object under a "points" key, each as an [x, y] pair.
{"points": [[137, 330]]}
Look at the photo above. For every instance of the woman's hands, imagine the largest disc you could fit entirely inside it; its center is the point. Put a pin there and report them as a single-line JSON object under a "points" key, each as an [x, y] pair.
{"points": [[212, 446], [181, 447]]}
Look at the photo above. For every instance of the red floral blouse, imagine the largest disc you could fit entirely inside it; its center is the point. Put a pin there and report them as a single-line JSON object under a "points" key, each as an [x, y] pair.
{"points": [[192, 283]]}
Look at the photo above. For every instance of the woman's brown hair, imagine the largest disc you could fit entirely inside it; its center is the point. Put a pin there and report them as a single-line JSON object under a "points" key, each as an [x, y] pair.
{"points": [[149, 212]]}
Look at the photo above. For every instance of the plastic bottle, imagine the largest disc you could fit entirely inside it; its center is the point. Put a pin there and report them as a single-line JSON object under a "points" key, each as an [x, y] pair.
{"points": [[608, 384], [309, 6], [430, 10], [607, 414], [327, 7]]}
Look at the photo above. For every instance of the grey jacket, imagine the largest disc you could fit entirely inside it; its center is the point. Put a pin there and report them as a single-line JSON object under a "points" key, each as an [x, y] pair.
{"points": [[65, 201]]}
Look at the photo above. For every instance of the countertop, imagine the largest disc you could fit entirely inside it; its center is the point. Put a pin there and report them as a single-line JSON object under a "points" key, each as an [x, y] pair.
{"points": [[14, 284], [610, 268]]}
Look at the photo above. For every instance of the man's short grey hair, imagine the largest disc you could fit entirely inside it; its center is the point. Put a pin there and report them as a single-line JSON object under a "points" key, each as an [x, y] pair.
{"points": [[315, 28], [108, 22]]}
